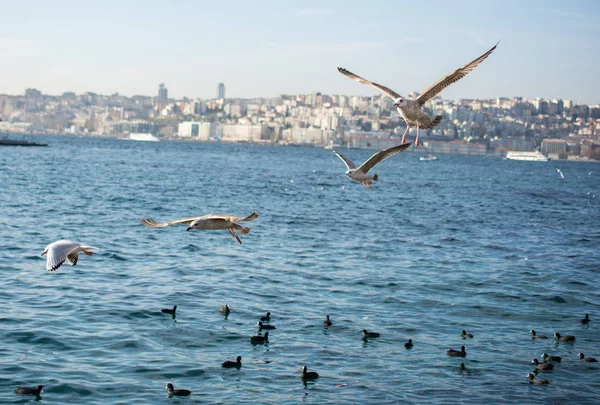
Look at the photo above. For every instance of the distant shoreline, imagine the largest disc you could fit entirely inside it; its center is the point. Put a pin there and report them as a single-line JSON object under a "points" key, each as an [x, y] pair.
{"points": [[179, 139]]}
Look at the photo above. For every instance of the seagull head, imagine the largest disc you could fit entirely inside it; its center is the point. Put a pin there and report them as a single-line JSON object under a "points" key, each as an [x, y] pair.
{"points": [[399, 102]]}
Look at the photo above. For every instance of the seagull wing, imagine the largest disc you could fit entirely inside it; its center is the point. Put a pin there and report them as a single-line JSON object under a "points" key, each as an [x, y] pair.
{"points": [[382, 155], [58, 253], [72, 258], [154, 224], [231, 218], [446, 81], [346, 161], [391, 93]]}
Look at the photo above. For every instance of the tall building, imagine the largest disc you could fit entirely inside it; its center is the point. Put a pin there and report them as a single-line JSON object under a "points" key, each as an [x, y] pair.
{"points": [[162, 96], [221, 90]]}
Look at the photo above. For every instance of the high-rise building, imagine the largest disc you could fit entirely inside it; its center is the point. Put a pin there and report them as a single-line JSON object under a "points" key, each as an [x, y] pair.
{"points": [[161, 101], [221, 90]]}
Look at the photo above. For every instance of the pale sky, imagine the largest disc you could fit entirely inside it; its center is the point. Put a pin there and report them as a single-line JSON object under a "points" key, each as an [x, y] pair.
{"points": [[548, 49]]}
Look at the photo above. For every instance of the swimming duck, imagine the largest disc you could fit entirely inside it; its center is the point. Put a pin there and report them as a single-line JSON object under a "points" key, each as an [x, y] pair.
{"points": [[408, 344], [327, 322], [542, 366], [586, 359], [224, 309], [533, 380], [457, 353], [261, 326], [566, 338], [30, 390], [266, 318], [368, 334], [546, 357], [232, 364], [309, 375], [586, 319], [536, 336], [180, 393], [169, 311], [260, 339], [466, 335]]}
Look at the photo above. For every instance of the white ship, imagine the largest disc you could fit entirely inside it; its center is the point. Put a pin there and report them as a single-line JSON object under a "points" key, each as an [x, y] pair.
{"points": [[536, 156], [143, 137]]}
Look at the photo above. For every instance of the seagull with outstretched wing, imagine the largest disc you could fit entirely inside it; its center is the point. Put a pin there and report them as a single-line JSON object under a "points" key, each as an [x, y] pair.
{"points": [[64, 251], [411, 109], [360, 174], [208, 222]]}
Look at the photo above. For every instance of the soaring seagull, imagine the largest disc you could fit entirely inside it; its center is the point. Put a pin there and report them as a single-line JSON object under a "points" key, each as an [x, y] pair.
{"points": [[360, 174], [410, 109], [64, 250], [208, 222]]}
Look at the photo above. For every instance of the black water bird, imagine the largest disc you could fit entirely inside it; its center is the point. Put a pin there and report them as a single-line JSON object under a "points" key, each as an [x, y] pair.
{"points": [[30, 390], [232, 364], [542, 366], [536, 336], [262, 326], [457, 353], [266, 318], [327, 322], [408, 344], [547, 357], [309, 375], [224, 309], [170, 311], [466, 335], [180, 393], [586, 359], [586, 319], [566, 338], [260, 339], [368, 334], [533, 380]]}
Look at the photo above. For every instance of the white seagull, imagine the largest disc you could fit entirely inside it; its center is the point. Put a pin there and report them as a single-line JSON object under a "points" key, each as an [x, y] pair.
{"points": [[360, 174], [64, 250], [410, 109], [208, 222]]}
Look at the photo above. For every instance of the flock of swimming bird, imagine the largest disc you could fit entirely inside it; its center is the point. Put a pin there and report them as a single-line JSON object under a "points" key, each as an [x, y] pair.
{"points": [[410, 110]]}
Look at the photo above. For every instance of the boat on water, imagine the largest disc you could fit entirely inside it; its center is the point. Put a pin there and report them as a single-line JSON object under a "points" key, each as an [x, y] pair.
{"points": [[5, 141], [143, 137], [535, 156], [428, 158]]}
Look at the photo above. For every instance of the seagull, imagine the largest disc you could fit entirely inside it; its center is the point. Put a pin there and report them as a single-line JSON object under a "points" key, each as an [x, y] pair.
{"points": [[561, 173], [410, 109], [62, 250], [208, 222], [360, 175]]}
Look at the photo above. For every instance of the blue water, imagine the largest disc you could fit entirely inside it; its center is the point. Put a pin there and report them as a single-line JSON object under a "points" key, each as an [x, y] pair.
{"points": [[491, 246]]}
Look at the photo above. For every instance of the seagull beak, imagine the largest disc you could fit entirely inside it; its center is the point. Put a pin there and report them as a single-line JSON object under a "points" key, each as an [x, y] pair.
{"points": [[44, 252]]}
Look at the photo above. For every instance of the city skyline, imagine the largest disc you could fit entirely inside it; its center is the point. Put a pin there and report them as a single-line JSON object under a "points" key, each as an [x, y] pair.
{"points": [[268, 49]]}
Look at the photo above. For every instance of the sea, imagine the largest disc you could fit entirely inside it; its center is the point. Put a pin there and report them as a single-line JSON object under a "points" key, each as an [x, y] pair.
{"points": [[491, 246]]}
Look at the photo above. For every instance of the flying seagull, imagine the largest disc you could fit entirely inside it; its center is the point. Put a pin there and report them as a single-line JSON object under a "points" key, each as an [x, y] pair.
{"points": [[64, 250], [208, 222], [410, 109], [360, 175]]}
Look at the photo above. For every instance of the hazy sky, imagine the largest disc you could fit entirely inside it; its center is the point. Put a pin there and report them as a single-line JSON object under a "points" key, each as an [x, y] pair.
{"points": [[549, 49]]}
